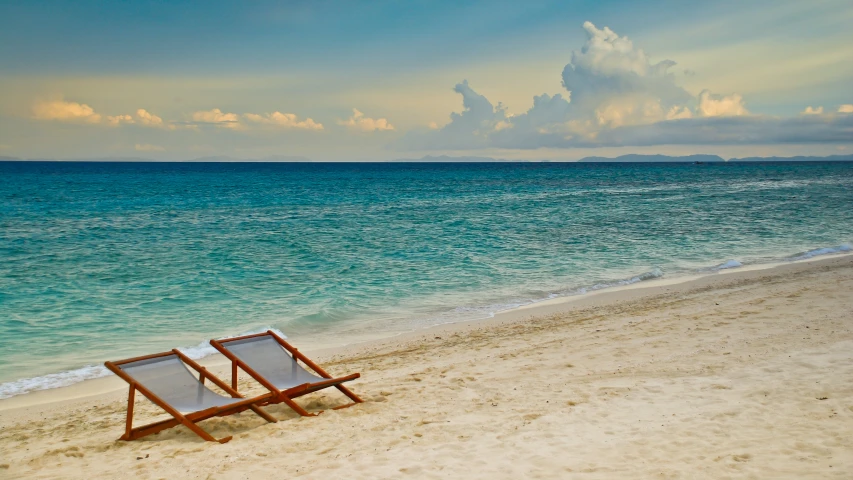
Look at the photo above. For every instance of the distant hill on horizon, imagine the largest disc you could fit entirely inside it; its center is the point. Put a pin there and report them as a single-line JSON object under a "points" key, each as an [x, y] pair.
{"points": [[830, 158]]}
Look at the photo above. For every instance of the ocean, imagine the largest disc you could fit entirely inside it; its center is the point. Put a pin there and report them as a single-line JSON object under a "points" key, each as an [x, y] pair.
{"points": [[102, 261]]}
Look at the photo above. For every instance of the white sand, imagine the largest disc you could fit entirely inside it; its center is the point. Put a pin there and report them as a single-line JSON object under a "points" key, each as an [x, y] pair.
{"points": [[742, 375]]}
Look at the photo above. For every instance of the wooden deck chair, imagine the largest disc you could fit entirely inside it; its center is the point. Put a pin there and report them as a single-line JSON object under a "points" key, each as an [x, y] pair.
{"points": [[274, 363], [165, 380]]}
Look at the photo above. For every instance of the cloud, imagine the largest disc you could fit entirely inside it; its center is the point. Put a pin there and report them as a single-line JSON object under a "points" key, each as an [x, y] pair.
{"points": [[142, 118], [285, 120], [678, 113], [812, 111], [616, 96], [60, 110], [609, 82], [614, 79], [218, 118], [119, 119], [234, 121], [468, 129], [711, 105], [359, 122], [629, 111], [720, 130], [734, 130], [147, 147], [75, 112], [149, 119], [63, 111]]}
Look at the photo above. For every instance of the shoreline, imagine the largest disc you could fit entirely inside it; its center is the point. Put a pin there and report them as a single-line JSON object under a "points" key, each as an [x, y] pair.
{"points": [[740, 375], [111, 384], [75, 390]]}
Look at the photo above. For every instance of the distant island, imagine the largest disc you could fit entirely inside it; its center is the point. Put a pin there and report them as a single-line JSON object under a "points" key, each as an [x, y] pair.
{"points": [[831, 158]]}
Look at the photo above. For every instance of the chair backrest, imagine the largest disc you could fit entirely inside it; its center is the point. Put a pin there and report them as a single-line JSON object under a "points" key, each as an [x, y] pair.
{"points": [[268, 358], [170, 379]]}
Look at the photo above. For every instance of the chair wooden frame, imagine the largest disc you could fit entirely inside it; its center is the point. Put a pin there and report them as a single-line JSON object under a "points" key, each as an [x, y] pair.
{"points": [[188, 420], [287, 396]]}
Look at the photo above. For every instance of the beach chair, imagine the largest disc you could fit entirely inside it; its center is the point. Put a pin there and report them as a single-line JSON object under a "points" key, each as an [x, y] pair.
{"points": [[165, 380], [274, 363]]}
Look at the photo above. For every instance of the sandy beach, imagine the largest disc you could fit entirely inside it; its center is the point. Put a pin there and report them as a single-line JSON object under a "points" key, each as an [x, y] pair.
{"points": [[746, 374]]}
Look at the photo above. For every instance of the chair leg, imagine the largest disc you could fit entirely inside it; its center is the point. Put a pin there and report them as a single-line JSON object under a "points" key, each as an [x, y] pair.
{"points": [[266, 416], [128, 429], [346, 391], [234, 375], [201, 433], [290, 403]]}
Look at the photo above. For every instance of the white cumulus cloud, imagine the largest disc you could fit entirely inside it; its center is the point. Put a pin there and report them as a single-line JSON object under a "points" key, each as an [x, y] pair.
{"points": [[285, 120], [119, 119], [678, 113], [217, 117], [366, 124], [812, 111], [149, 119], [63, 111], [711, 105], [611, 76], [611, 86], [469, 129], [846, 108], [142, 117]]}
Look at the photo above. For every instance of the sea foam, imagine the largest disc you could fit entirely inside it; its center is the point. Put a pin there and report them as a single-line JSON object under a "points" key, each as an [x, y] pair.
{"points": [[844, 247], [52, 380], [650, 275], [727, 265]]}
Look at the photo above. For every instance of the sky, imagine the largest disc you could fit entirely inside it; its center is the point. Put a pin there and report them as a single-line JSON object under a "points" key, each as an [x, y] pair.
{"points": [[381, 80]]}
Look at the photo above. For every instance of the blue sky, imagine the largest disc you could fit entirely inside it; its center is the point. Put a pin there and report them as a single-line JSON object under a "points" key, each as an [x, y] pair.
{"points": [[381, 80]]}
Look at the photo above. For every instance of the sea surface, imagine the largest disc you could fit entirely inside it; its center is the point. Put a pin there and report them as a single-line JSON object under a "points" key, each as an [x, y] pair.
{"points": [[102, 261]]}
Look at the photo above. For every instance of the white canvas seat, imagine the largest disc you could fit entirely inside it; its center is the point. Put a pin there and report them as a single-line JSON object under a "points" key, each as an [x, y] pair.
{"points": [[170, 379], [165, 380], [271, 360], [274, 363]]}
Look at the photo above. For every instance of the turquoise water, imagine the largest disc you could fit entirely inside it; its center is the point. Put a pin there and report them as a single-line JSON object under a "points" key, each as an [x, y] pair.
{"points": [[109, 260]]}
